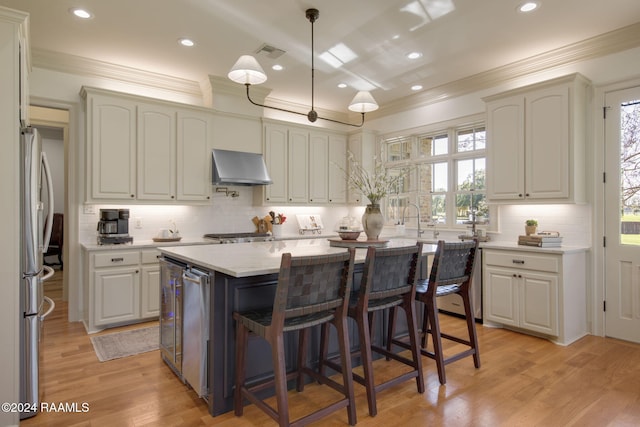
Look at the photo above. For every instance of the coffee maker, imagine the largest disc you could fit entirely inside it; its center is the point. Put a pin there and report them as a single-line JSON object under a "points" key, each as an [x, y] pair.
{"points": [[113, 227]]}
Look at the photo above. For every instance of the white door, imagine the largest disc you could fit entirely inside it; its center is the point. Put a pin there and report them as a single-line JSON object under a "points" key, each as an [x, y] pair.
{"points": [[622, 214]]}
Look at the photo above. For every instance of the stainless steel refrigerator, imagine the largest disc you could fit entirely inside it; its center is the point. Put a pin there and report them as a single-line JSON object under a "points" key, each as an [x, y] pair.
{"points": [[35, 182]]}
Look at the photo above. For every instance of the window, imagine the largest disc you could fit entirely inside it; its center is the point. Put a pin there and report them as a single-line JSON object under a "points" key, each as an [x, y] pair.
{"points": [[446, 182]]}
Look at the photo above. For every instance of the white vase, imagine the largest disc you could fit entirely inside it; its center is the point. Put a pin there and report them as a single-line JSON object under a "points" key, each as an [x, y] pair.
{"points": [[372, 221]]}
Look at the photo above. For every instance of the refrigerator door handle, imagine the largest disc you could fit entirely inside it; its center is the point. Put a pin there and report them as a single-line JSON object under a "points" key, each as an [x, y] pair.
{"points": [[49, 273], [52, 306], [47, 174]]}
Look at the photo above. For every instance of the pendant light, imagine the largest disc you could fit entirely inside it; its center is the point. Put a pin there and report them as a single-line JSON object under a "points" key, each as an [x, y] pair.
{"points": [[247, 71]]}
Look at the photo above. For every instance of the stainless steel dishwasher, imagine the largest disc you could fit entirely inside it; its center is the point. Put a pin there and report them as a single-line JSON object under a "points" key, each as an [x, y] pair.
{"points": [[195, 329]]}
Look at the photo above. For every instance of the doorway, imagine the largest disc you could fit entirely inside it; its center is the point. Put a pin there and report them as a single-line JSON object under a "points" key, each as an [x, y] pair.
{"points": [[622, 214], [53, 126]]}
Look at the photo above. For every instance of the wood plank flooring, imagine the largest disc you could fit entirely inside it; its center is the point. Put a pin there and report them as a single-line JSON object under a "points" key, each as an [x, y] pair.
{"points": [[523, 381]]}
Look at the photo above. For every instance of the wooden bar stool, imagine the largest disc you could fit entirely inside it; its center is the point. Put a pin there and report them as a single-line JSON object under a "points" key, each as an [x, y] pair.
{"points": [[451, 273], [311, 290], [388, 281]]}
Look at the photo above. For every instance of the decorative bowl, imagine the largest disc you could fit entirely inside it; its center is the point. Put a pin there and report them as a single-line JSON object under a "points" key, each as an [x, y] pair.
{"points": [[349, 235]]}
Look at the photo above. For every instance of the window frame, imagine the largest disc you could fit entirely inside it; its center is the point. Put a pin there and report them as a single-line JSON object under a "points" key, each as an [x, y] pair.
{"points": [[414, 193]]}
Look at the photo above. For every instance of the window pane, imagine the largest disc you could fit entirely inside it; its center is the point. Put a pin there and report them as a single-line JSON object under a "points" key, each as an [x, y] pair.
{"points": [[400, 150], [396, 205], [438, 209], [405, 182], [630, 173], [440, 177], [471, 139], [471, 174], [433, 145]]}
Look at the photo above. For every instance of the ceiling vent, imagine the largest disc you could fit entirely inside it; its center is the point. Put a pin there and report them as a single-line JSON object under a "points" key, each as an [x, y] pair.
{"points": [[270, 51]]}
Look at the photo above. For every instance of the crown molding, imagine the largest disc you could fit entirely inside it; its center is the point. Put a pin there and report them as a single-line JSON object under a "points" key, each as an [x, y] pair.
{"points": [[605, 44], [612, 42], [72, 64]]}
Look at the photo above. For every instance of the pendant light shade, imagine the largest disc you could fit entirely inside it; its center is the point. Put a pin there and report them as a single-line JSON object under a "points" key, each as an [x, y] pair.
{"points": [[363, 102], [247, 70]]}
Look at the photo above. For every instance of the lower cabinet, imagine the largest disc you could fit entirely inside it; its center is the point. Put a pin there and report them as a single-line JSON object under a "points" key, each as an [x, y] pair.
{"points": [[537, 292], [121, 287]]}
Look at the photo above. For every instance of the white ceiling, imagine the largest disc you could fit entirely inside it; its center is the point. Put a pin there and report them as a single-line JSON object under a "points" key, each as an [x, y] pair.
{"points": [[457, 38]]}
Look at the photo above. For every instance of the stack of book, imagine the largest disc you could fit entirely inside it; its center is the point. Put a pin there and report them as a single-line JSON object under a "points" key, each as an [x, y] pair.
{"points": [[541, 240]]}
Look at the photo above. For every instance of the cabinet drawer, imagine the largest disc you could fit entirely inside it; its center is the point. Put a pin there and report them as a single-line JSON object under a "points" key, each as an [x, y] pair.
{"points": [[150, 256], [523, 260], [111, 259]]}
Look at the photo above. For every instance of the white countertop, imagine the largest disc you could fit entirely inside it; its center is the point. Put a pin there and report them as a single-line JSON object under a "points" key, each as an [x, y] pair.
{"points": [[257, 258], [142, 244], [513, 246]]}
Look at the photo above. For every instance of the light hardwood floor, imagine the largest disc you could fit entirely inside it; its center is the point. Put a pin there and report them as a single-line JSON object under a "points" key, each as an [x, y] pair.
{"points": [[523, 381]]}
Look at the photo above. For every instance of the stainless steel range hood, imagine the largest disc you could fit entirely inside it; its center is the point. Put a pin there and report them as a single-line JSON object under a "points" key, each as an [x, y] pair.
{"points": [[239, 168]]}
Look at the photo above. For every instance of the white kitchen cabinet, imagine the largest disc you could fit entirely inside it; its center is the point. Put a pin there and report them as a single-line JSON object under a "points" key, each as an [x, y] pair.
{"points": [[156, 154], [536, 142], [150, 284], [275, 157], [336, 169], [146, 150], [536, 292], [318, 168], [299, 164], [362, 146], [111, 132], [122, 286], [194, 136]]}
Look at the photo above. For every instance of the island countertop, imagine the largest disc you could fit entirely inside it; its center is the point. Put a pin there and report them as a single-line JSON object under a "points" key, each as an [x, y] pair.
{"points": [[258, 258]]}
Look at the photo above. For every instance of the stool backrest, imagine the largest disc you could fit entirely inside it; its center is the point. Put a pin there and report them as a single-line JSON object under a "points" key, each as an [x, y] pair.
{"points": [[389, 272], [313, 284], [453, 263]]}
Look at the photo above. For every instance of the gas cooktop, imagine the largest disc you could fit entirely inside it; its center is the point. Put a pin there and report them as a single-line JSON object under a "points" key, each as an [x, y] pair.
{"points": [[238, 237]]}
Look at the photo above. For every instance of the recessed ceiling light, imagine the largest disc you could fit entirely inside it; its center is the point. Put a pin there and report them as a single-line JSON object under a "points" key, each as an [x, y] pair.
{"points": [[416, 87], [342, 85], [81, 13], [186, 42], [528, 6], [277, 67], [414, 55]]}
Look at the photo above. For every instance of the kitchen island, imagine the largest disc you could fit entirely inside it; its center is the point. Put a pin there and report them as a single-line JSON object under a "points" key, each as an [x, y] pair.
{"points": [[244, 276]]}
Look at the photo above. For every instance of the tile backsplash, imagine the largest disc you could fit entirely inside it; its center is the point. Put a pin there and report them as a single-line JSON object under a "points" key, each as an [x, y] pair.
{"points": [[234, 214], [571, 220], [223, 215]]}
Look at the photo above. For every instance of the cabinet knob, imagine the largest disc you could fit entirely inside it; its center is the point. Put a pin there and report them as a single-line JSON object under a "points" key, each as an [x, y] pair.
{"points": [[527, 194], [519, 194], [133, 195], [173, 197]]}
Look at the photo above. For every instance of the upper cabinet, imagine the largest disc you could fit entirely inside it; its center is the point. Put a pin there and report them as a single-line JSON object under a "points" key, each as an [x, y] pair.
{"points": [[302, 165], [536, 142], [147, 151], [362, 148]]}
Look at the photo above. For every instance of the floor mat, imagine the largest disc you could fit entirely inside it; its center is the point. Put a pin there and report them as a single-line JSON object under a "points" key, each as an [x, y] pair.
{"points": [[126, 343]]}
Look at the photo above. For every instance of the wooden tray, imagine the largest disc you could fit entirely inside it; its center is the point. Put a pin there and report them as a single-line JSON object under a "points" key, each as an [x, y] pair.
{"points": [[339, 243], [167, 239]]}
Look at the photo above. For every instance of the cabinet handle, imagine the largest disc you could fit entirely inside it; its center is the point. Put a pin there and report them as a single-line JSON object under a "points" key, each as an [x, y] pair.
{"points": [[117, 259], [518, 261]]}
